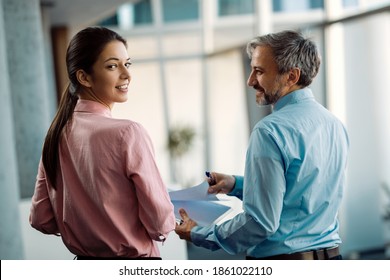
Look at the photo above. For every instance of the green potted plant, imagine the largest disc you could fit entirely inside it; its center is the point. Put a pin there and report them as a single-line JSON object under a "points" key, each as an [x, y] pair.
{"points": [[180, 141]]}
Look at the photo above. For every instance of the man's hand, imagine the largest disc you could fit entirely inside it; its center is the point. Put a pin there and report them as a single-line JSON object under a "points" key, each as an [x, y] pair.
{"points": [[221, 183], [185, 226]]}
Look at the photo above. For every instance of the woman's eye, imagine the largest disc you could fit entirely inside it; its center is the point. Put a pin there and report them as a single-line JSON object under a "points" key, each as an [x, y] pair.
{"points": [[128, 64], [112, 66]]}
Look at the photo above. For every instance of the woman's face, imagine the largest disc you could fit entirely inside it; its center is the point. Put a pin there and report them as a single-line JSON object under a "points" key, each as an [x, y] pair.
{"points": [[110, 75]]}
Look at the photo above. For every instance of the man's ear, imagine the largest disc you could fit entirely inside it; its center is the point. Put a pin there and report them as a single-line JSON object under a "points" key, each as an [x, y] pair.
{"points": [[83, 78], [293, 76]]}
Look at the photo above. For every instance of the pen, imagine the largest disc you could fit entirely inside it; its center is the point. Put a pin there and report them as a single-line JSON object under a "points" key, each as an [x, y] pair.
{"points": [[212, 181]]}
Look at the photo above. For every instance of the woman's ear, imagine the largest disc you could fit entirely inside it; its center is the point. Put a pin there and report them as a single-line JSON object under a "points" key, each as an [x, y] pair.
{"points": [[83, 78], [293, 76]]}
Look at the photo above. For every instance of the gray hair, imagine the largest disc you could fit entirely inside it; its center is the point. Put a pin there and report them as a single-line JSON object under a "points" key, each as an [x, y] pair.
{"points": [[291, 50]]}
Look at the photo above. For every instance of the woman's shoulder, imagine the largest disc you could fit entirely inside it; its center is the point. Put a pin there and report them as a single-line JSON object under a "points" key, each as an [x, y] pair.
{"points": [[126, 126]]}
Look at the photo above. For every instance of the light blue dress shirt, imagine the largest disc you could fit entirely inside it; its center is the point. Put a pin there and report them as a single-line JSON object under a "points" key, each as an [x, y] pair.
{"points": [[294, 179]]}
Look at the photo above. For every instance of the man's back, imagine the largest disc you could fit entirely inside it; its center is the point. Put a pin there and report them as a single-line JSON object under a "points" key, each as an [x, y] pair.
{"points": [[310, 146]]}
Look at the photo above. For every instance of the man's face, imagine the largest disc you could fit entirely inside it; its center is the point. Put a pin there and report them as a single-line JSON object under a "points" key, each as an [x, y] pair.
{"points": [[265, 78]]}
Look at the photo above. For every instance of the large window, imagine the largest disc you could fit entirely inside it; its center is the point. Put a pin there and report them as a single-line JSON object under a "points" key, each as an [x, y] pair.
{"points": [[350, 3], [303, 5], [296, 5], [112, 20], [140, 13], [143, 12], [130, 15], [235, 7], [179, 10]]}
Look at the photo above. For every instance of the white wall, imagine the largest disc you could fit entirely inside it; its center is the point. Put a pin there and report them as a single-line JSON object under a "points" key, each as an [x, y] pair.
{"points": [[229, 125], [367, 72]]}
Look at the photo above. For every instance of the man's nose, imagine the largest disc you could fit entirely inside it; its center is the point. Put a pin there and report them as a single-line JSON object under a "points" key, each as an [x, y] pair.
{"points": [[251, 81]]}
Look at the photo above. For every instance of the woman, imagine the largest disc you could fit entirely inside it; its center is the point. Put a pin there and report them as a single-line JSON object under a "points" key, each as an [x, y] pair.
{"points": [[98, 185]]}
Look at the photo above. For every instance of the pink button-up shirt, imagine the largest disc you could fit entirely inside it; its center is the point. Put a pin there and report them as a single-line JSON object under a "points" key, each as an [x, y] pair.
{"points": [[110, 198]]}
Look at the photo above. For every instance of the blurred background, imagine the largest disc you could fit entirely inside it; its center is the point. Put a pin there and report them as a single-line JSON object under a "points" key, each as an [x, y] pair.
{"points": [[189, 90]]}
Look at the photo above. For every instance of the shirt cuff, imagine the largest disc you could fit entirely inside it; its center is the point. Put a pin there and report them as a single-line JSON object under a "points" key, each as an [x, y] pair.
{"points": [[204, 237], [196, 235], [238, 187]]}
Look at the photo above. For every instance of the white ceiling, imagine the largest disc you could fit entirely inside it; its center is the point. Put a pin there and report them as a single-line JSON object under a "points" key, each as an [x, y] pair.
{"points": [[79, 12]]}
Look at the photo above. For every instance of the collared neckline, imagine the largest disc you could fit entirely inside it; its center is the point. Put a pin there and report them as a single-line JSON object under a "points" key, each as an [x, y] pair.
{"points": [[89, 106], [293, 97]]}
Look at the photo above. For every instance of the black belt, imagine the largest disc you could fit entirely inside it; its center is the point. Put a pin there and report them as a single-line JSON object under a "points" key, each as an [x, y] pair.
{"points": [[115, 258], [321, 254]]}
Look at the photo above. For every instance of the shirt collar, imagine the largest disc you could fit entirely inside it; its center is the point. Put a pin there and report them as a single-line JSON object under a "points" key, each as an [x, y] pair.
{"points": [[293, 97], [90, 106]]}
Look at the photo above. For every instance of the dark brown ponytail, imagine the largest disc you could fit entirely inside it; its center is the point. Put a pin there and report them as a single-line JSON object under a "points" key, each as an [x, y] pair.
{"points": [[50, 147]]}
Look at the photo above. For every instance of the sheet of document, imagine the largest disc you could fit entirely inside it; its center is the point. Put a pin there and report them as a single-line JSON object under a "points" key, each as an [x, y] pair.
{"points": [[198, 192], [204, 213], [202, 207]]}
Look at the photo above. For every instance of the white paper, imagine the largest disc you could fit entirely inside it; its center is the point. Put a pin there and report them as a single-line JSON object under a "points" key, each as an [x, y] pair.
{"points": [[198, 192], [202, 207], [204, 213]]}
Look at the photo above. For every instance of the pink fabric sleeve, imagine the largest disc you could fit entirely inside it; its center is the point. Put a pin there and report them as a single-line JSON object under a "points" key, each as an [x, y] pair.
{"points": [[155, 208], [41, 212]]}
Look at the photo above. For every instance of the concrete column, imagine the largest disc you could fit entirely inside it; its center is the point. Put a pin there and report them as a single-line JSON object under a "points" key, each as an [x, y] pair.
{"points": [[208, 14], [334, 61], [11, 246], [368, 125], [263, 20], [28, 85], [379, 55]]}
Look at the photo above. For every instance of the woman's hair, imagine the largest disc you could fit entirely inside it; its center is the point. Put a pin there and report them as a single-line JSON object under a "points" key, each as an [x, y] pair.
{"points": [[83, 51], [291, 50]]}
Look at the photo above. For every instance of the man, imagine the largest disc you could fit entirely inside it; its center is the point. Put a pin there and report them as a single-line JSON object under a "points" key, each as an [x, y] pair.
{"points": [[295, 164]]}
